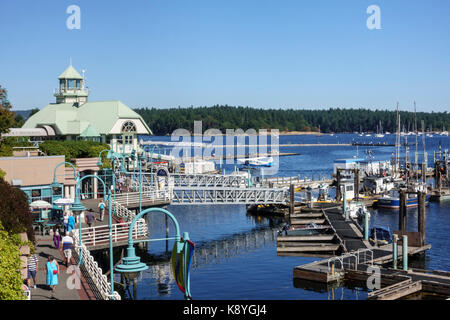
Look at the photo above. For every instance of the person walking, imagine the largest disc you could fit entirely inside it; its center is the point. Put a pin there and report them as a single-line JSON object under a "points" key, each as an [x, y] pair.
{"points": [[66, 221], [52, 269], [67, 243], [70, 222], [101, 206], [56, 237], [32, 268], [89, 217]]}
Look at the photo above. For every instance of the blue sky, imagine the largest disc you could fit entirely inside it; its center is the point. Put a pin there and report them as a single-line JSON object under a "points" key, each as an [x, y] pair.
{"points": [[270, 54]]}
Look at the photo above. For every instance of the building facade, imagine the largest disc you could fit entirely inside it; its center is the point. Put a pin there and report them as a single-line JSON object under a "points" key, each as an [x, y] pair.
{"points": [[73, 117]]}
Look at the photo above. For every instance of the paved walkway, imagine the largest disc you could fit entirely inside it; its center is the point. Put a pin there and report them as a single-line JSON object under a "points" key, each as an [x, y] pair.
{"points": [[63, 291]]}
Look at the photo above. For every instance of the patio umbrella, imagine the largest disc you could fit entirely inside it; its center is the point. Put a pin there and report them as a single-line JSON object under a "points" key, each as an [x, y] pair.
{"points": [[63, 201], [40, 204]]}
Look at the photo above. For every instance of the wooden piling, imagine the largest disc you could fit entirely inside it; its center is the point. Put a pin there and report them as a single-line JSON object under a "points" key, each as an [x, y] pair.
{"points": [[338, 185], [291, 199], [357, 184], [402, 212], [421, 223]]}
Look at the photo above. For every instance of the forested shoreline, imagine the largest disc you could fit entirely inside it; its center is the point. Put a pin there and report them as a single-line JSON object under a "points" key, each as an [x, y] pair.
{"points": [[336, 120]]}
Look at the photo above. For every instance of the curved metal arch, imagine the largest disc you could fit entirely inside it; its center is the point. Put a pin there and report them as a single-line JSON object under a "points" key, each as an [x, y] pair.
{"points": [[142, 213], [98, 178], [65, 162]]}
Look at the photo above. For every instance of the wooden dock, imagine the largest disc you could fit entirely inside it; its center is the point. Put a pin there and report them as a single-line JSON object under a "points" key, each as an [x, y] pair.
{"points": [[357, 267], [342, 236]]}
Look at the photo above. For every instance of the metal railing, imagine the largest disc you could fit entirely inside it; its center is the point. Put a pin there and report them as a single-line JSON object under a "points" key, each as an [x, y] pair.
{"points": [[351, 260], [122, 211], [95, 272], [148, 195], [99, 235], [229, 196]]}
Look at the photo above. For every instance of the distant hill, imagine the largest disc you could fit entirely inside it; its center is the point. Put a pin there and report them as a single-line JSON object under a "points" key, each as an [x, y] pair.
{"points": [[25, 114], [337, 120]]}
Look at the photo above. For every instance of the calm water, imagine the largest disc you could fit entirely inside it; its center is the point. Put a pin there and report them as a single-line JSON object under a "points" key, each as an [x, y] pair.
{"points": [[235, 254]]}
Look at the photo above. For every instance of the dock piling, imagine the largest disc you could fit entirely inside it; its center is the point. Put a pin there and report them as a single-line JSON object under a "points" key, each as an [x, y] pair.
{"points": [[366, 225], [291, 199], [394, 251], [405, 252]]}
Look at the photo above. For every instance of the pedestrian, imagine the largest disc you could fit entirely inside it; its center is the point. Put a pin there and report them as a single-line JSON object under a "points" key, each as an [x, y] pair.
{"points": [[52, 268], [101, 206], [66, 221], [70, 222], [89, 217], [67, 243], [56, 237], [32, 268]]}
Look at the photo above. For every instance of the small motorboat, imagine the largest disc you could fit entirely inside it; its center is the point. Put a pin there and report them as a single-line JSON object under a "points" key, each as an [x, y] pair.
{"points": [[380, 236], [306, 230], [357, 210]]}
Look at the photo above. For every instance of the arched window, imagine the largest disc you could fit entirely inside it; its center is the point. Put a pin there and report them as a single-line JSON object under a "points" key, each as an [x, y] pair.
{"points": [[128, 127]]}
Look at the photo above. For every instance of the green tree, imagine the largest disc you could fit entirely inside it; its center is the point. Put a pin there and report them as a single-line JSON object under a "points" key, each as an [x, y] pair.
{"points": [[10, 278]]}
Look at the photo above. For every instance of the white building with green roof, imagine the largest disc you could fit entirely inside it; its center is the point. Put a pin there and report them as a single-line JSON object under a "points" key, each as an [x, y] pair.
{"points": [[73, 117]]}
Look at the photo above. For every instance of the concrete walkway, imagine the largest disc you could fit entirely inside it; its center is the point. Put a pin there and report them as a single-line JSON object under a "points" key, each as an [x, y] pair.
{"points": [[65, 290]]}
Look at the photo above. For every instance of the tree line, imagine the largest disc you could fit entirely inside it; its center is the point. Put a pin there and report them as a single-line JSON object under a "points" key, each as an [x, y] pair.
{"points": [[222, 117]]}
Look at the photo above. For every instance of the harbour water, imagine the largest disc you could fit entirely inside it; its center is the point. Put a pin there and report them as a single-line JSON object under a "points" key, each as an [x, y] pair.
{"points": [[235, 255]]}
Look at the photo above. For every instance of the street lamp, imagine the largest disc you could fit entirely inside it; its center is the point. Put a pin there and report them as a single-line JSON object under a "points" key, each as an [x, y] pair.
{"points": [[151, 162], [131, 265], [55, 183], [77, 207]]}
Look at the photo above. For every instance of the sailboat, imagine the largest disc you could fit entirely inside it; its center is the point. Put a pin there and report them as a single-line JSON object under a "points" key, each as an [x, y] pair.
{"points": [[392, 201], [379, 131]]}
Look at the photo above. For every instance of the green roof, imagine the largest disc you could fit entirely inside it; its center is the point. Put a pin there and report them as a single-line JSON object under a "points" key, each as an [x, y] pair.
{"points": [[70, 73], [90, 132], [95, 117]]}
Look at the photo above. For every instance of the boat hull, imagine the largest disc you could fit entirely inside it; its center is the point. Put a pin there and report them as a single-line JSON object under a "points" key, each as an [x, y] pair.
{"points": [[394, 203]]}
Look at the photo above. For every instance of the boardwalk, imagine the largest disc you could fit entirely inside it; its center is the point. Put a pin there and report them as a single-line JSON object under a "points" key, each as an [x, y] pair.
{"points": [[44, 248]]}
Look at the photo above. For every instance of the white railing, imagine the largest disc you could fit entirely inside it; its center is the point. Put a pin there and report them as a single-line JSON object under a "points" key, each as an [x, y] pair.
{"points": [[94, 271], [122, 211], [95, 236], [148, 195]]}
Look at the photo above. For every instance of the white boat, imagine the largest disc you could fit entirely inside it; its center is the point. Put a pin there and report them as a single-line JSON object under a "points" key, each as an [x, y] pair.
{"points": [[256, 162], [357, 209]]}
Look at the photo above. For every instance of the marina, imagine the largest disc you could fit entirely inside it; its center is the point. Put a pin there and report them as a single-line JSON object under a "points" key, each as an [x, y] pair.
{"points": [[216, 151]]}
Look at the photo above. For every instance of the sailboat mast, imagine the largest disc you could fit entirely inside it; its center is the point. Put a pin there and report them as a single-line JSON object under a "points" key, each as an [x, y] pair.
{"points": [[415, 133], [397, 140]]}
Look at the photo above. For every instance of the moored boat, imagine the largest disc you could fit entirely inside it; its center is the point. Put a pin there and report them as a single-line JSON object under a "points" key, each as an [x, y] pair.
{"points": [[392, 201], [306, 230]]}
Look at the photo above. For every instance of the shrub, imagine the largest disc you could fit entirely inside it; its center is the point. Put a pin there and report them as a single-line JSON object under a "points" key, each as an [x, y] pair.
{"points": [[10, 278], [73, 149]]}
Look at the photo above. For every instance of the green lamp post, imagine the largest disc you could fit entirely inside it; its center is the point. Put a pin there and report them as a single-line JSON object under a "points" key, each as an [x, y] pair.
{"points": [[56, 184], [77, 207], [151, 162], [131, 265]]}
